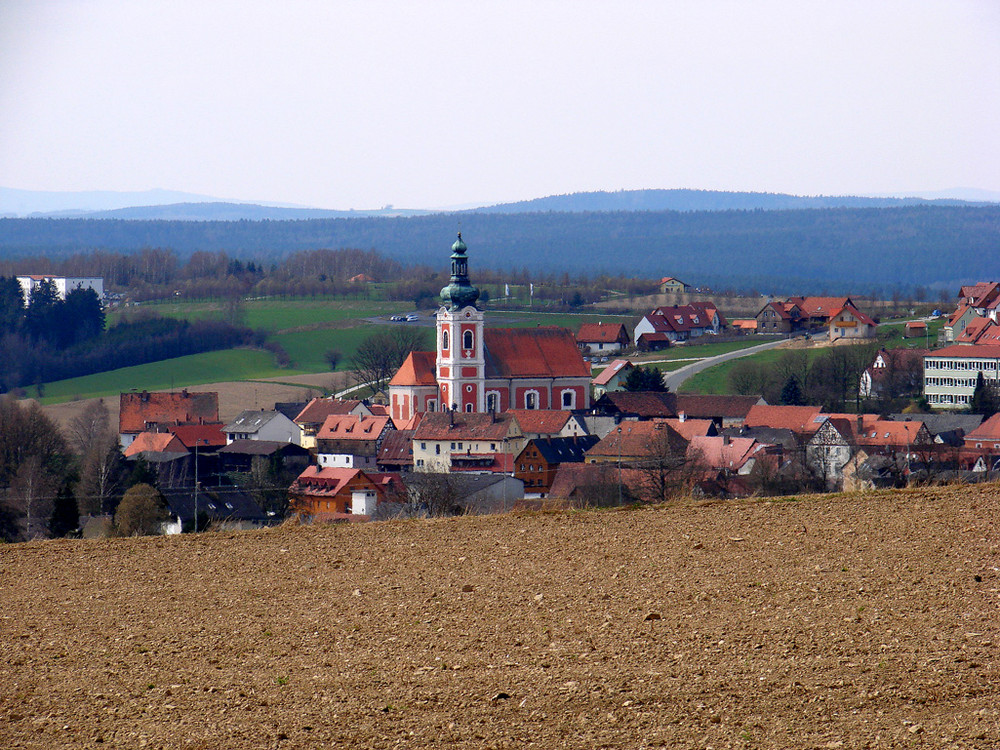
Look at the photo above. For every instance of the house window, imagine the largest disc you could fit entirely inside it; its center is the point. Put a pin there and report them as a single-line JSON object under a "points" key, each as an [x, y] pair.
{"points": [[467, 340], [437, 449], [423, 446]]}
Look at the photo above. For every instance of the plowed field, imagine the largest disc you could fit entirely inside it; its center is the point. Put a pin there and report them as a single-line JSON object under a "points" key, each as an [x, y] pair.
{"points": [[841, 621]]}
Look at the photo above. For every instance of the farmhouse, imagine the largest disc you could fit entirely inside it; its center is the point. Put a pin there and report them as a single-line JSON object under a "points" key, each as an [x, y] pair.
{"points": [[677, 323], [477, 369], [602, 338], [254, 424], [145, 411]]}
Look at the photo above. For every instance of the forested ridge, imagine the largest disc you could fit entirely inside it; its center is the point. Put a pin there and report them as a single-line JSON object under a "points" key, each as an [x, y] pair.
{"points": [[837, 249]]}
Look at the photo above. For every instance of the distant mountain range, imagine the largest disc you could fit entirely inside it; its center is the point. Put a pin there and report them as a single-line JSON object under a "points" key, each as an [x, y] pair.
{"points": [[176, 206]]}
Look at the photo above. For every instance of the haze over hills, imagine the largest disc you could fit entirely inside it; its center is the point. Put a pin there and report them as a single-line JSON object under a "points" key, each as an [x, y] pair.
{"points": [[179, 206]]}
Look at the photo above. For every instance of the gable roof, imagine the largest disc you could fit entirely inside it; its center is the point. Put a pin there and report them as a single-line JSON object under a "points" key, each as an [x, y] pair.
{"points": [[820, 307], [252, 420], [156, 442], [317, 410], [563, 449], [352, 427], [644, 404], [547, 351], [689, 428], [800, 419], [139, 409], [988, 430], [456, 425], [202, 435], [854, 312], [636, 439], [713, 406], [722, 452], [541, 421], [616, 366], [417, 369], [682, 318], [601, 333], [397, 448]]}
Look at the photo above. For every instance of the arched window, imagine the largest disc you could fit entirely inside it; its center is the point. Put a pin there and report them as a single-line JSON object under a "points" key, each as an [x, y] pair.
{"points": [[531, 400], [444, 338], [492, 401], [468, 407], [467, 340], [568, 399]]}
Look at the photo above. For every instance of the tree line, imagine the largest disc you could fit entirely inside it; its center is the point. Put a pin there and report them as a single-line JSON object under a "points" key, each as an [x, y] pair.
{"points": [[848, 250]]}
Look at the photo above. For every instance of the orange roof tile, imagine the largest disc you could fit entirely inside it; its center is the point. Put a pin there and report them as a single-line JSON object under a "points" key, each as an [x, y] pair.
{"points": [[352, 427], [204, 435], [317, 410], [156, 442], [636, 439], [540, 421], [988, 430], [795, 418], [456, 425], [601, 333], [417, 369], [545, 352], [137, 410]]}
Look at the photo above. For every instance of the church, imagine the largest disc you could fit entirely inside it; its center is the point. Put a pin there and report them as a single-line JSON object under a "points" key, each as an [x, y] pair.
{"points": [[478, 369]]}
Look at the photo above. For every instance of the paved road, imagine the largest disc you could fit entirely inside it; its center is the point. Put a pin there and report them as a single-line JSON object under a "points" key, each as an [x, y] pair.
{"points": [[675, 378]]}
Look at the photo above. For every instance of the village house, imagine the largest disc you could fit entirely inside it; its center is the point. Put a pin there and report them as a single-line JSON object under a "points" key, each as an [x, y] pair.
{"points": [[145, 411], [223, 508], [548, 423], [718, 458], [611, 378], [637, 405], [778, 317], [670, 285], [893, 373], [312, 416], [636, 442], [466, 441], [331, 494], [255, 424], [723, 410], [839, 317], [602, 338], [395, 454], [478, 370], [983, 298], [666, 325], [350, 441], [537, 463], [981, 447], [803, 421], [239, 456]]}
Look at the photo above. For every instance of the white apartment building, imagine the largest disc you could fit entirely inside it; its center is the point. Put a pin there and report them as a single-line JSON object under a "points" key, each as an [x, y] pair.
{"points": [[950, 374]]}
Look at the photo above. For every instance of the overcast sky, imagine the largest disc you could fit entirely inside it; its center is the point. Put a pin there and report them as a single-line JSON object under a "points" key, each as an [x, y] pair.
{"points": [[342, 104]]}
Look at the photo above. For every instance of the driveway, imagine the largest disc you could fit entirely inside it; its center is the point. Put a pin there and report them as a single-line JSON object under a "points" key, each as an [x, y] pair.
{"points": [[675, 378]]}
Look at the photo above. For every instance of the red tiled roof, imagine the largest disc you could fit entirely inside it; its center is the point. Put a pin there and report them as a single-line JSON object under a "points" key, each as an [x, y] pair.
{"points": [[972, 330], [854, 312], [813, 307], [959, 312], [456, 425], [719, 452], [613, 368], [540, 421], [636, 439], [690, 428], [987, 431], [157, 442], [317, 410], [546, 352], [646, 404], [418, 369], [601, 333], [397, 448], [795, 418], [137, 410], [205, 435], [916, 324], [351, 427], [681, 318]]}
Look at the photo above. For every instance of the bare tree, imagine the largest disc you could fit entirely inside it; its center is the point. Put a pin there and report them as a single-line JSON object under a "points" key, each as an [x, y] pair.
{"points": [[434, 494], [30, 495], [101, 475], [381, 354], [663, 466], [89, 427]]}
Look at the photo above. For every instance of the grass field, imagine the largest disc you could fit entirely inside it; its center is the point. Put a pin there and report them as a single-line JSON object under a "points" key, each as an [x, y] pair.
{"points": [[195, 369]]}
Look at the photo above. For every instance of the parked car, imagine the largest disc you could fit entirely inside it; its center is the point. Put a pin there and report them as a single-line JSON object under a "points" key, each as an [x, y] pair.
{"points": [[397, 319], [412, 317]]}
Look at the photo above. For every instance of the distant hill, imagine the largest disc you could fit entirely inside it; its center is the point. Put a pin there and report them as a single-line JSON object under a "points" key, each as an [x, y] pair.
{"points": [[836, 249], [700, 200], [233, 212]]}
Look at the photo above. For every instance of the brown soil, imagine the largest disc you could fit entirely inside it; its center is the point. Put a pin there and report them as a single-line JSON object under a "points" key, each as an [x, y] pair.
{"points": [[234, 397], [841, 621]]}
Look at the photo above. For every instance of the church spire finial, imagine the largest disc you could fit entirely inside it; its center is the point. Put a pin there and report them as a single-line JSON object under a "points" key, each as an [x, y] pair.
{"points": [[460, 292]]}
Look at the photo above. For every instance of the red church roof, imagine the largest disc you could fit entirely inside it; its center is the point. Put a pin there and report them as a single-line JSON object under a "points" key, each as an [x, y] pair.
{"points": [[547, 352], [417, 369]]}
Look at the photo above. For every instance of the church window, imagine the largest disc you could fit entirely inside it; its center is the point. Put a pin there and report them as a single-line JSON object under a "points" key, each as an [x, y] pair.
{"points": [[467, 340], [468, 407], [492, 401], [568, 399], [531, 400], [444, 338]]}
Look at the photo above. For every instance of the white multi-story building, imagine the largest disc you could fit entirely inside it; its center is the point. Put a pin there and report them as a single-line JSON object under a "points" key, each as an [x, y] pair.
{"points": [[63, 284], [950, 374]]}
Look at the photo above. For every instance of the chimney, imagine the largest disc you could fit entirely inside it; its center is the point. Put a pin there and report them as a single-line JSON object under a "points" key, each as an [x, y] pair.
{"points": [[682, 417], [725, 439], [451, 417], [861, 423]]}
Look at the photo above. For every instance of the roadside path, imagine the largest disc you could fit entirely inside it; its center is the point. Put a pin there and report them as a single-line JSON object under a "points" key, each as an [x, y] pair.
{"points": [[675, 378]]}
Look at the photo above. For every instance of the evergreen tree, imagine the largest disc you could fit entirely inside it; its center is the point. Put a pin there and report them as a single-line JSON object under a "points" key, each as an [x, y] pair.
{"points": [[985, 399], [65, 514], [11, 304], [644, 379], [791, 394]]}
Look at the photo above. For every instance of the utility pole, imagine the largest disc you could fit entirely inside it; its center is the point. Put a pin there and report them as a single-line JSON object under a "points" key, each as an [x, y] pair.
{"points": [[619, 465]]}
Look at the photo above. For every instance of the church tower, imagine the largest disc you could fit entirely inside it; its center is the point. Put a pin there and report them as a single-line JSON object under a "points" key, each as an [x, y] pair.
{"points": [[461, 363]]}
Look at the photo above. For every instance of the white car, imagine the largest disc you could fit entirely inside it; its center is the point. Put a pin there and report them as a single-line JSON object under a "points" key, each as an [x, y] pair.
{"points": [[412, 317]]}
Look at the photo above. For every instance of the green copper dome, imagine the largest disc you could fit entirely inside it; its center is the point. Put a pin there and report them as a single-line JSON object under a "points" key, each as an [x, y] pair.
{"points": [[459, 293]]}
